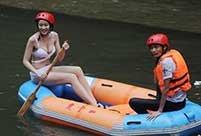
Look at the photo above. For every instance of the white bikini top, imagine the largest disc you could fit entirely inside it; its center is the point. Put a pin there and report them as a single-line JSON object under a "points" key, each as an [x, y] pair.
{"points": [[41, 53]]}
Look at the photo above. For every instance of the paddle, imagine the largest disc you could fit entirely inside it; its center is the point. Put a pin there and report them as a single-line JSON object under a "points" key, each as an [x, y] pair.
{"points": [[32, 97]]}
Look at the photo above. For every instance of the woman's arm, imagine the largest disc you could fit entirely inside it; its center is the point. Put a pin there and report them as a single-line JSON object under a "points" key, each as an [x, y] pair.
{"points": [[57, 45], [27, 55]]}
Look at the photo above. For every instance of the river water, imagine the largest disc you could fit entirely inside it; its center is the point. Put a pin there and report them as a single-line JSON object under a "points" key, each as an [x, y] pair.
{"points": [[104, 49]]}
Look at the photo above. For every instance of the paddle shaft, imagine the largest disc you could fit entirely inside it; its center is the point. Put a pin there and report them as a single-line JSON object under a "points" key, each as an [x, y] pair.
{"points": [[32, 97]]}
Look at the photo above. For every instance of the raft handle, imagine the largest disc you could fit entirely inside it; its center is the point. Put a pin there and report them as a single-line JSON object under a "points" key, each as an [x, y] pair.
{"points": [[134, 122], [114, 110], [190, 116], [107, 85], [151, 95]]}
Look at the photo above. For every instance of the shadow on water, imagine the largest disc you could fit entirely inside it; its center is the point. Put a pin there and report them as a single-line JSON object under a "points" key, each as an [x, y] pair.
{"points": [[104, 49]]}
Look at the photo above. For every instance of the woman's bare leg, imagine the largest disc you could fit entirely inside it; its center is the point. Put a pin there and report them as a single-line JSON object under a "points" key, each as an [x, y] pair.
{"points": [[79, 73], [55, 78]]}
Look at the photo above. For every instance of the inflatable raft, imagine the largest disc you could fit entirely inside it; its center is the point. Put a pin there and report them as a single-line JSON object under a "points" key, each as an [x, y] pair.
{"points": [[59, 104]]}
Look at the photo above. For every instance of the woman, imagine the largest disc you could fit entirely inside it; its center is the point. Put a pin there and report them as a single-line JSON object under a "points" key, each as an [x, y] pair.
{"points": [[40, 47], [172, 77]]}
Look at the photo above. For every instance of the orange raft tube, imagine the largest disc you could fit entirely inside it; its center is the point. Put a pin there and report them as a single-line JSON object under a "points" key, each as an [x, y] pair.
{"points": [[66, 108]]}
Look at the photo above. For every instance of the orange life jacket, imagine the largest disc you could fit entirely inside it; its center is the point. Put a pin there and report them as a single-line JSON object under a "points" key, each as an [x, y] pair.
{"points": [[181, 77]]}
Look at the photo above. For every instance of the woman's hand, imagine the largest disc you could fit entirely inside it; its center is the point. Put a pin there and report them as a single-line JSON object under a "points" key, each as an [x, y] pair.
{"points": [[41, 75], [153, 114], [65, 45]]}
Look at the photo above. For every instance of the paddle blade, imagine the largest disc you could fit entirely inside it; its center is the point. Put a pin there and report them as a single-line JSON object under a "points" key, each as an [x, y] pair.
{"points": [[26, 105]]}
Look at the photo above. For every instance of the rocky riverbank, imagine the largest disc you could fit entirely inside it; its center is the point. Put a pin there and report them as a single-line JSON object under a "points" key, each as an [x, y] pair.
{"points": [[179, 15]]}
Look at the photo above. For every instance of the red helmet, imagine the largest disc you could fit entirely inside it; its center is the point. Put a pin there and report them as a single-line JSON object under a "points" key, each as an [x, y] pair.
{"points": [[45, 16], [161, 39]]}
